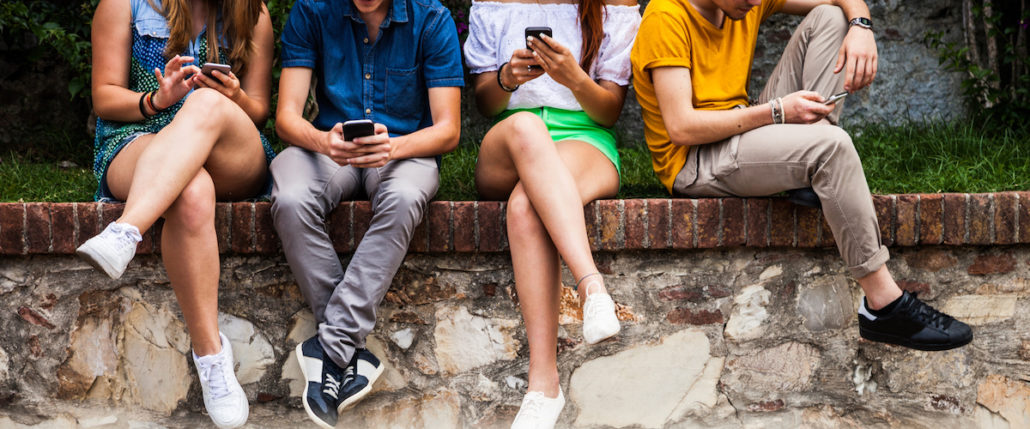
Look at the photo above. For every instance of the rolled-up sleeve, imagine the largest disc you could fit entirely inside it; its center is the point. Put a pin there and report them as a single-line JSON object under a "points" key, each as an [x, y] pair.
{"points": [[300, 38], [442, 53]]}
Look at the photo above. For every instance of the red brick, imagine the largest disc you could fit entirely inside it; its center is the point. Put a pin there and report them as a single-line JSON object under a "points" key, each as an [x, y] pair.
{"points": [[591, 217], [242, 227], [492, 237], [12, 228], [682, 223], [338, 227], [658, 233], [610, 231], [981, 214], [62, 217], [110, 212], [223, 226], [1024, 217], [681, 316], [781, 223], [954, 218], [464, 226], [155, 235], [708, 225], [439, 223], [420, 238], [758, 222], [37, 227], [914, 286], [809, 220], [992, 264], [884, 206], [827, 239], [931, 218], [88, 219], [265, 238], [682, 293], [634, 233], [905, 233], [734, 222], [362, 218], [1005, 209]]}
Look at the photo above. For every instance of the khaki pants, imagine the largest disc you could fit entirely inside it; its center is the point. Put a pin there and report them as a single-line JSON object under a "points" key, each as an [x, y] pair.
{"points": [[777, 158]]}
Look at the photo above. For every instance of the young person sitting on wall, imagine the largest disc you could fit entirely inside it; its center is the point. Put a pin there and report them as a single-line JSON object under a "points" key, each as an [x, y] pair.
{"points": [[170, 140], [551, 151], [691, 64], [396, 63]]}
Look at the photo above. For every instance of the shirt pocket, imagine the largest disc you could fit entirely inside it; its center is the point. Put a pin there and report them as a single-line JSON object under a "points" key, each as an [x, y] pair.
{"points": [[405, 96], [153, 27]]}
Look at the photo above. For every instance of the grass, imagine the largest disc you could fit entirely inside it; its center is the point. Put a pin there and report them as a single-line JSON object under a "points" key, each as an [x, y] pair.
{"points": [[961, 156]]}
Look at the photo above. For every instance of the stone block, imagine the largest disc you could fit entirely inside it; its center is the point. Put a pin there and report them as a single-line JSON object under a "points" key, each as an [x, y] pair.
{"points": [[1006, 397], [434, 409], [787, 367], [992, 263], [658, 227], [749, 313], [734, 222], [826, 303], [708, 223], [252, 353], [465, 341], [757, 222], [154, 358], [931, 259], [690, 316], [648, 385], [931, 218], [981, 309], [634, 229], [682, 223]]}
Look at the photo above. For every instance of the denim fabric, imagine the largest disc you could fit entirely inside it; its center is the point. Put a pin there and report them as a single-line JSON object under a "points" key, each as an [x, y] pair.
{"points": [[386, 80]]}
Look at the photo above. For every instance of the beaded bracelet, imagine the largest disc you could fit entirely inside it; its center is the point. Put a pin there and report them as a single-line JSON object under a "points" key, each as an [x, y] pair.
{"points": [[501, 84], [143, 111]]}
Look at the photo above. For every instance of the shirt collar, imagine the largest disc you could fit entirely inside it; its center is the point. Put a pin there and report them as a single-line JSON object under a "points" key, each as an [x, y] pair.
{"points": [[398, 12]]}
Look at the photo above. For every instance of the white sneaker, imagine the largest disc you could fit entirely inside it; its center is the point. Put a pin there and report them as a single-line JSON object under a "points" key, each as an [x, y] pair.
{"points": [[599, 320], [538, 411], [224, 399], [111, 250]]}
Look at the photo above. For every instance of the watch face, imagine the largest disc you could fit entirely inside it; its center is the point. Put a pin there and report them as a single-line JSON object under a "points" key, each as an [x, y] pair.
{"points": [[864, 22]]}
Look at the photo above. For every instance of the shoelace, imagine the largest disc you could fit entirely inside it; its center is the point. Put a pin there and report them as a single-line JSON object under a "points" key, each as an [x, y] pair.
{"points": [[600, 307], [331, 386], [929, 315], [215, 379], [126, 237]]}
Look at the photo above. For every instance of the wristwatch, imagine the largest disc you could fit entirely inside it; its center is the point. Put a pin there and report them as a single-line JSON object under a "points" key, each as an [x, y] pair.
{"points": [[865, 23]]}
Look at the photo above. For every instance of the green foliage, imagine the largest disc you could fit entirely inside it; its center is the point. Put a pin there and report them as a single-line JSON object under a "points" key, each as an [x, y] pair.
{"points": [[46, 28], [25, 181]]}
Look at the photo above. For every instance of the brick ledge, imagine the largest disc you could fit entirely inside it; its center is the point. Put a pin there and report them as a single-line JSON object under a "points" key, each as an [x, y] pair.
{"points": [[613, 225]]}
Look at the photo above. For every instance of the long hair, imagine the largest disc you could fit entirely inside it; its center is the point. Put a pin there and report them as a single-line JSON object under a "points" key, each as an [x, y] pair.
{"points": [[591, 24], [238, 20]]}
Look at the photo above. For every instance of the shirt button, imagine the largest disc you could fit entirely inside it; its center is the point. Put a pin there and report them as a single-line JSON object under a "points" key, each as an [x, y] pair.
{"points": [[368, 75], [366, 40], [368, 111]]}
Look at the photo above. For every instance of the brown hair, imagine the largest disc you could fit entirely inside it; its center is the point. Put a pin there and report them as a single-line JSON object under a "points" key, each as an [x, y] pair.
{"points": [[238, 20], [591, 24]]}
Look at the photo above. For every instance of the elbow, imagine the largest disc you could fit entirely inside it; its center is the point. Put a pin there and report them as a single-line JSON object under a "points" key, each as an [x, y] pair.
{"points": [[450, 141], [682, 136]]}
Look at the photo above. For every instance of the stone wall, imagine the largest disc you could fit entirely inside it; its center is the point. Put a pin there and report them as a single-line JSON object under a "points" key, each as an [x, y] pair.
{"points": [[735, 314]]}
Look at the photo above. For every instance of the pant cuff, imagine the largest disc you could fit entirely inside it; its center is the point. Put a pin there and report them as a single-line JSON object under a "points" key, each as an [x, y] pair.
{"points": [[872, 264]]}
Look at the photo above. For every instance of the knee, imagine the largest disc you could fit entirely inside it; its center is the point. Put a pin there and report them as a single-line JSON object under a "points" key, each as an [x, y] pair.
{"points": [[838, 144], [404, 198], [194, 209], [829, 18], [520, 213], [209, 104], [526, 131]]}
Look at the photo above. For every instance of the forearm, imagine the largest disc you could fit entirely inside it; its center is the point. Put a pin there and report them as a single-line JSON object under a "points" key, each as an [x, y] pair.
{"points": [[600, 104], [853, 8], [434, 140], [297, 131], [490, 98], [117, 103], [710, 126], [255, 108]]}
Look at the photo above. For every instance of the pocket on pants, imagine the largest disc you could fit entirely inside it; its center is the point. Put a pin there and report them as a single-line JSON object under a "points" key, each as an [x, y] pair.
{"points": [[722, 157]]}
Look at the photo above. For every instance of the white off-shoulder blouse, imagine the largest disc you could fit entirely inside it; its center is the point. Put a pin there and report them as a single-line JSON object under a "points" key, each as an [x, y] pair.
{"points": [[497, 29]]}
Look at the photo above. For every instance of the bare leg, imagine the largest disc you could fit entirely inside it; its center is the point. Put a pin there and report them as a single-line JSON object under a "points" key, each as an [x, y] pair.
{"points": [[880, 288], [209, 131]]}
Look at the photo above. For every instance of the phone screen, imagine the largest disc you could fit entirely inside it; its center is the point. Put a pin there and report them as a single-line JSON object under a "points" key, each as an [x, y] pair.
{"points": [[208, 68], [835, 98], [357, 128], [535, 32]]}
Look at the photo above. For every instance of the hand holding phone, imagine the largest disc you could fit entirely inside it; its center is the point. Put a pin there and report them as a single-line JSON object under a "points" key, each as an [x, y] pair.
{"points": [[535, 33], [835, 98], [209, 68], [358, 128]]}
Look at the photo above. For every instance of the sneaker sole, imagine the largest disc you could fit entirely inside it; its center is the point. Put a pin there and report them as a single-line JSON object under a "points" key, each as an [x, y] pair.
{"points": [[353, 400], [904, 342], [304, 396], [238, 422], [98, 262], [604, 336]]}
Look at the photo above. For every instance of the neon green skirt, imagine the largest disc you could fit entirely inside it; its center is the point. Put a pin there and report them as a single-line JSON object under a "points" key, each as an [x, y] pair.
{"points": [[574, 125]]}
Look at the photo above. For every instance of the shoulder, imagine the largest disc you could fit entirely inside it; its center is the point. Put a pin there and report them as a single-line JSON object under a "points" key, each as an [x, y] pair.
{"points": [[621, 3], [427, 8]]}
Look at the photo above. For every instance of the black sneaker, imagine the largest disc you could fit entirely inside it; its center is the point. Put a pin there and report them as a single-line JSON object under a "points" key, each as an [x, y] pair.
{"points": [[913, 324], [359, 377], [324, 378]]}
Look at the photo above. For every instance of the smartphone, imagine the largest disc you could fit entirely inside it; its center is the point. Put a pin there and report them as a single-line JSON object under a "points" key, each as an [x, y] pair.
{"points": [[209, 68], [358, 128], [835, 98], [535, 32]]}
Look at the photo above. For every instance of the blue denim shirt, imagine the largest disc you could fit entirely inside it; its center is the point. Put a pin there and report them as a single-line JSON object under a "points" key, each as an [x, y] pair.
{"points": [[386, 80]]}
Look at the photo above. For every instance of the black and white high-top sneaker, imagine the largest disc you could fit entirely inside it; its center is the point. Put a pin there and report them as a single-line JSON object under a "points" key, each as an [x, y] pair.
{"points": [[359, 377], [323, 381]]}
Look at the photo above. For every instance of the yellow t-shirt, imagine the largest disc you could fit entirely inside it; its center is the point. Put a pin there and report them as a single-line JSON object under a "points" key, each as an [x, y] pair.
{"points": [[673, 34]]}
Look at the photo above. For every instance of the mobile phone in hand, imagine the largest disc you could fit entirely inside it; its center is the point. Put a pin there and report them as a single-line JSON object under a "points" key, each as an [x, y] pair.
{"points": [[209, 68], [535, 32], [835, 98], [358, 128]]}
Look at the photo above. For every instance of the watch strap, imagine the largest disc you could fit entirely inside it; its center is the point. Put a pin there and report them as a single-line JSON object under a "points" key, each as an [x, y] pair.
{"points": [[861, 22]]}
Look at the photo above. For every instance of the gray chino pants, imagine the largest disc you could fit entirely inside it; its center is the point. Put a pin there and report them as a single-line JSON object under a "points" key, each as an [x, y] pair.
{"points": [[307, 187], [776, 158]]}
